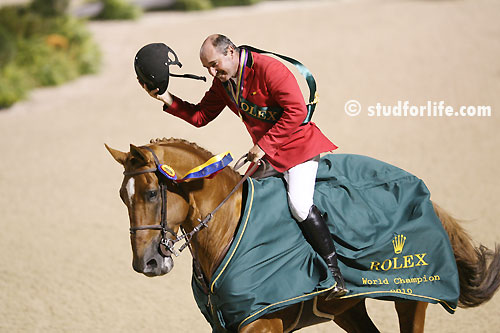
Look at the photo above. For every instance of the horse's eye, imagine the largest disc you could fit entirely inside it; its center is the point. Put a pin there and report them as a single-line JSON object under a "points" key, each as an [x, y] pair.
{"points": [[152, 194]]}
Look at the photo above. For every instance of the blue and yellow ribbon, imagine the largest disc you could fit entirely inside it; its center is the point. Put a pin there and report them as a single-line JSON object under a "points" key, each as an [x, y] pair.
{"points": [[241, 76], [207, 170]]}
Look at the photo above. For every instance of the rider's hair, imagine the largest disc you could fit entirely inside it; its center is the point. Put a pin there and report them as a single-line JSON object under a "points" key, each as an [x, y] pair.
{"points": [[222, 43]]}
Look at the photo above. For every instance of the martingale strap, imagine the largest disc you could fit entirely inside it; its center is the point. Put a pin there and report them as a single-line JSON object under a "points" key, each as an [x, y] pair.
{"points": [[311, 82]]}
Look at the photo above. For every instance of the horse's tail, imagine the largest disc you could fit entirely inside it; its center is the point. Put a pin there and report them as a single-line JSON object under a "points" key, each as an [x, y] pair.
{"points": [[478, 267]]}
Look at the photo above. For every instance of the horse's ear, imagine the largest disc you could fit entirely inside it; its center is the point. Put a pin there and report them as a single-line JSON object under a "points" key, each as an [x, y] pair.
{"points": [[138, 155], [119, 156]]}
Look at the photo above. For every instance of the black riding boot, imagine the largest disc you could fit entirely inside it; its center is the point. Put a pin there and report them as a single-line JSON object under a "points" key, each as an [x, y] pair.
{"points": [[317, 234]]}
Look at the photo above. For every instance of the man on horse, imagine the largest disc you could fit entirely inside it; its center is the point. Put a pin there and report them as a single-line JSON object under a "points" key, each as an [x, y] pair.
{"points": [[266, 97]]}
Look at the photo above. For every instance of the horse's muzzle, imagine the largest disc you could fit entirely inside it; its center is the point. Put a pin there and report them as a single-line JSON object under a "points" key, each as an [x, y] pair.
{"points": [[157, 266], [153, 263]]}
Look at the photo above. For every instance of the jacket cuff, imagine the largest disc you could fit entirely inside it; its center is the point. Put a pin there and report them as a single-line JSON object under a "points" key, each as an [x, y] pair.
{"points": [[266, 147], [173, 106]]}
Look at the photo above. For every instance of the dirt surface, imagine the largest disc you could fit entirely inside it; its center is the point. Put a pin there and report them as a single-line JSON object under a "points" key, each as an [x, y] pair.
{"points": [[66, 258]]}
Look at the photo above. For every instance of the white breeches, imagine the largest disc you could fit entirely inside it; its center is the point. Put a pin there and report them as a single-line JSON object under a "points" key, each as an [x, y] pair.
{"points": [[301, 180]]}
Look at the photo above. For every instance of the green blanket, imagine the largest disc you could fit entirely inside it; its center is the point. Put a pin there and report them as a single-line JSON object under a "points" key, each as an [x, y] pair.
{"points": [[391, 245]]}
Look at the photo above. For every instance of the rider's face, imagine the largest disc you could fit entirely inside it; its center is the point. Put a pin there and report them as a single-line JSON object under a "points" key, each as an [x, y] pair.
{"points": [[219, 65]]}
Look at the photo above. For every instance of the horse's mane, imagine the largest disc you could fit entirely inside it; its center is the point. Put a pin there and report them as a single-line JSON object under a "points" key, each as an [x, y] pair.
{"points": [[205, 153], [164, 141]]}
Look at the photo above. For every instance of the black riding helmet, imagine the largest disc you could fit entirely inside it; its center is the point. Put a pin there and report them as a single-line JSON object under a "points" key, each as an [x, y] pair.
{"points": [[152, 66]]}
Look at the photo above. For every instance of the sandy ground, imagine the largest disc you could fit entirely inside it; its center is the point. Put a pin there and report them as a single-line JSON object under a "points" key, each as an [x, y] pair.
{"points": [[66, 258]]}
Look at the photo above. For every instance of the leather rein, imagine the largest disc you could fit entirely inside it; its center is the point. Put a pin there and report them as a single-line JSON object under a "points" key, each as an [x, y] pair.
{"points": [[166, 241]]}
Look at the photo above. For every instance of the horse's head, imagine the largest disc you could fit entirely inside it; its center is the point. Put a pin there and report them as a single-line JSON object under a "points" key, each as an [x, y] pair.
{"points": [[144, 192]]}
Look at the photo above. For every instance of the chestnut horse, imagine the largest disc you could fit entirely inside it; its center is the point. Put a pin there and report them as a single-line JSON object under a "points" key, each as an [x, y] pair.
{"points": [[189, 202]]}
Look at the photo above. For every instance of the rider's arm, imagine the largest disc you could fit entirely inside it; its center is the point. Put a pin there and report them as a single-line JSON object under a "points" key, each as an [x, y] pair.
{"points": [[199, 114]]}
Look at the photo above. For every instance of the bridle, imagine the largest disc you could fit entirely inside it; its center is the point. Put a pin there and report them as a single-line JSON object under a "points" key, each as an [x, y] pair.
{"points": [[163, 226], [166, 241]]}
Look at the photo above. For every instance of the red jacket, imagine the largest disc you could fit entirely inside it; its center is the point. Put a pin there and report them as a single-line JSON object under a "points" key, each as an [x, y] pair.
{"points": [[272, 109]]}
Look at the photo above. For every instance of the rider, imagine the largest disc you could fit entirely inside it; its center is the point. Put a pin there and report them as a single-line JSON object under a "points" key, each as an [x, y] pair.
{"points": [[266, 96]]}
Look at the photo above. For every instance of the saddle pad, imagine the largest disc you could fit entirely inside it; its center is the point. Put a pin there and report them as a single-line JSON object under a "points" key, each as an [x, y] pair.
{"points": [[391, 245]]}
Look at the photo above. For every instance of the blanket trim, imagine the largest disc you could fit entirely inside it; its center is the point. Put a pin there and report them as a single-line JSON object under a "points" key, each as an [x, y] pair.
{"points": [[239, 239]]}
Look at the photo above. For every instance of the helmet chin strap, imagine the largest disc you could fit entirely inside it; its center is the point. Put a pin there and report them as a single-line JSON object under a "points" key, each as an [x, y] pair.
{"points": [[176, 61], [189, 76]]}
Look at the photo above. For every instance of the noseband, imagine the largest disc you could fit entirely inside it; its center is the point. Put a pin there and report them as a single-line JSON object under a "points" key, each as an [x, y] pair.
{"points": [[167, 242]]}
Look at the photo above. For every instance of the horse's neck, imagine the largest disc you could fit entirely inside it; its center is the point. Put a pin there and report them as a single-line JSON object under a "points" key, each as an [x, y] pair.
{"points": [[211, 243]]}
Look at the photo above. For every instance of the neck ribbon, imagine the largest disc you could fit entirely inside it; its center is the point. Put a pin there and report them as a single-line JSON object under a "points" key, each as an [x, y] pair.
{"points": [[206, 170]]}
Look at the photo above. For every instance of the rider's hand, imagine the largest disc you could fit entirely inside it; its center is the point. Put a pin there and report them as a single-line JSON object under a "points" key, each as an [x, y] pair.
{"points": [[255, 154], [166, 97]]}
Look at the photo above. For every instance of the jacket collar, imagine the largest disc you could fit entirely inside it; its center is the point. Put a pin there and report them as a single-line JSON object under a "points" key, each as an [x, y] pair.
{"points": [[249, 63], [249, 74]]}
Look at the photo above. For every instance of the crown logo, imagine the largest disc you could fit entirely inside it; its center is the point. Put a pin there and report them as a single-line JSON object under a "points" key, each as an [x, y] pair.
{"points": [[398, 242]]}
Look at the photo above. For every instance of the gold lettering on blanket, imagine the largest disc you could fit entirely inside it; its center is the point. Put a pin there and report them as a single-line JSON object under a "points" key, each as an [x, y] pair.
{"points": [[401, 281], [399, 262], [407, 261]]}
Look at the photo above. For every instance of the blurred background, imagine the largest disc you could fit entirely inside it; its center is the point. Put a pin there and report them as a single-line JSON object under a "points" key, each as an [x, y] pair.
{"points": [[67, 86]]}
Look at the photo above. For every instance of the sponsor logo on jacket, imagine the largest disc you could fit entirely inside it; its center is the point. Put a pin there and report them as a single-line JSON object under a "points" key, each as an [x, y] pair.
{"points": [[264, 113]]}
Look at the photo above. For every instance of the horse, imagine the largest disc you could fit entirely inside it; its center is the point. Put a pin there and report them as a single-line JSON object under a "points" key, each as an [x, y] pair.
{"points": [[185, 204]]}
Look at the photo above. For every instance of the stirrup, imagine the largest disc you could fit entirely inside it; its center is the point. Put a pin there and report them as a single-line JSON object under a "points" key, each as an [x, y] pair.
{"points": [[336, 292]]}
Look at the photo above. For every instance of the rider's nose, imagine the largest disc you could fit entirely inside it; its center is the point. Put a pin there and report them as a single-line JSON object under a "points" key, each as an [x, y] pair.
{"points": [[212, 71]]}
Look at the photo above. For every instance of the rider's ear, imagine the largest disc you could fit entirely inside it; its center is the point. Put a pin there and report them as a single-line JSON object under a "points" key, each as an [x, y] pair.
{"points": [[138, 157], [119, 156]]}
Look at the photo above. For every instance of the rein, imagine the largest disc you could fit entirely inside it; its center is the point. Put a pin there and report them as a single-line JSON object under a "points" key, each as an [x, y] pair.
{"points": [[167, 242]]}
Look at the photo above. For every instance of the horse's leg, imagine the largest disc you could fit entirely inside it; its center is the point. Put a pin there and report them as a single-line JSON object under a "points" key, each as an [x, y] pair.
{"points": [[277, 321], [356, 319], [271, 325], [411, 315]]}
